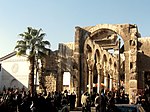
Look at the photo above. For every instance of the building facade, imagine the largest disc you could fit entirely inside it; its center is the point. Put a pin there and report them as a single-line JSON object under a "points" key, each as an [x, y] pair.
{"points": [[14, 71]]}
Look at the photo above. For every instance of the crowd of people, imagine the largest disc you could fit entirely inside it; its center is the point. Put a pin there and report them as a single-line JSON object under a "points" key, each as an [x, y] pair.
{"points": [[105, 101], [13, 100]]}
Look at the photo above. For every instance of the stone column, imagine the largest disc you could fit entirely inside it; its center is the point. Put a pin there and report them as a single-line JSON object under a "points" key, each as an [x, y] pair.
{"points": [[111, 80], [98, 83], [111, 83], [90, 66], [105, 78], [105, 82], [59, 79], [90, 82], [133, 64], [127, 75], [78, 35], [99, 78]]}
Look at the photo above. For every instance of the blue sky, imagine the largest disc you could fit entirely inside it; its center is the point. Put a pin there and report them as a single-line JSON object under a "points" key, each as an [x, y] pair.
{"points": [[58, 19]]}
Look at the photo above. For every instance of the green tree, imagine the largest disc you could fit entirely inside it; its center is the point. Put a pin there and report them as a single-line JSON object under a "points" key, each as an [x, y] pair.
{"points": [[34, 47]]}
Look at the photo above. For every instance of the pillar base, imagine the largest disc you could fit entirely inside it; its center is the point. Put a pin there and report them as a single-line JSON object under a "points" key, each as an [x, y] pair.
{"points": [[132, 90]]}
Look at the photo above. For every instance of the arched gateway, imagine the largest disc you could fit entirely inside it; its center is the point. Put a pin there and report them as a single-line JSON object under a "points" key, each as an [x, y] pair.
{"points": [[96, 66]]}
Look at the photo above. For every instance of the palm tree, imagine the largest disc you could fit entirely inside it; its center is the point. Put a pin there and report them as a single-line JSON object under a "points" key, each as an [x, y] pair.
{"points": [[32, 45]]}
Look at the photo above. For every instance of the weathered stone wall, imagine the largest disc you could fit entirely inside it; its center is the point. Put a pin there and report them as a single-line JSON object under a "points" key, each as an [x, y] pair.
{"points": [[49, 76], [50, 83], [143, 61], [65, 63], [144, 54]]}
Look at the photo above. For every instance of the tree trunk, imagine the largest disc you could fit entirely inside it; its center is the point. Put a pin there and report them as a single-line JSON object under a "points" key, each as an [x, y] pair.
{"points": [[31, 75], [42, 78]]}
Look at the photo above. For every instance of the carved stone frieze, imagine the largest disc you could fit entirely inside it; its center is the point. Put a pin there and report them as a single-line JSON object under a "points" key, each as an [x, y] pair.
{"points": [[133, 51], [99, 66], [133, 83], [133, 76]]}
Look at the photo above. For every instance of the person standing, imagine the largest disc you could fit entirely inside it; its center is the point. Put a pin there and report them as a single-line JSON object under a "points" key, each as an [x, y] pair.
{"points": [[72, 99], [97, 102], [86, 102], [103, 102]]}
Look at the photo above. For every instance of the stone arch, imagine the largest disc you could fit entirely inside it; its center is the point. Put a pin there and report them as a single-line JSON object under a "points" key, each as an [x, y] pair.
{"points": [[88, 48], [120, 29], [86, 36], [111, 68], [115, 65], [96, 71], [88, 65], [129, 34], [89, 51], [110, 63], [104, 60], [97, 53]]}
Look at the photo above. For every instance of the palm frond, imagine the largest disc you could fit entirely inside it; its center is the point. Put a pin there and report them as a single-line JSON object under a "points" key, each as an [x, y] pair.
{"points": [[21, 35], [41, 36], [20, 42], [29, 29], [34, 32], [27, 36], [26, 33], [18, 46], [38, 32], [46, 43], [33, 41]]}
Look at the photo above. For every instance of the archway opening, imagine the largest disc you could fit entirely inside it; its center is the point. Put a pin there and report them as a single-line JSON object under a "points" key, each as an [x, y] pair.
{"points": [[95, 75], [66, 81], [113, 43]]}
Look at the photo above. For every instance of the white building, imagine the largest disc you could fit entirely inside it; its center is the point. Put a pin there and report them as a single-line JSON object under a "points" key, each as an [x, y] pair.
{"points": [[14, 71]]}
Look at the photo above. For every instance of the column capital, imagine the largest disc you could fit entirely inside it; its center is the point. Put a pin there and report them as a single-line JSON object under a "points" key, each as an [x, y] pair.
{"points": [[99, 66], [90, 63]]}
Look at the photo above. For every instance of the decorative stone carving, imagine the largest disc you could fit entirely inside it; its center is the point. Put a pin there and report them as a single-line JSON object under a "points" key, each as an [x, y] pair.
{"points": [[132, 92], [90, 64], [99, 66], [133, 51], [133, 76], [133, 69], [133, 83], [15, 67]]}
